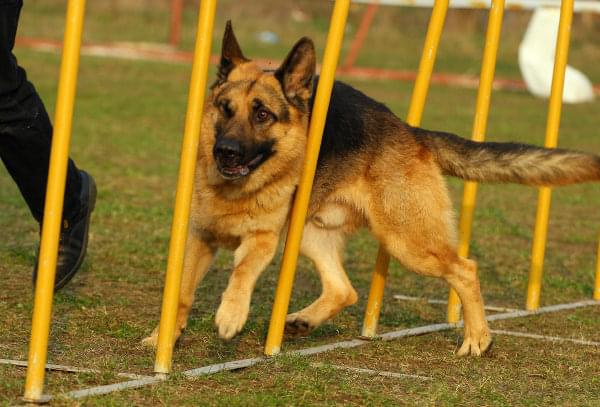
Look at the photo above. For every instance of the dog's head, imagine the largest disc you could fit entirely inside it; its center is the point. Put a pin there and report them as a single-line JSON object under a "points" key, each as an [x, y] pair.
{"points": [[258, 118]]}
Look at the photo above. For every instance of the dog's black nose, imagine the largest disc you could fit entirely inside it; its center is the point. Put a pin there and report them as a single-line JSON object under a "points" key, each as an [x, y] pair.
{"points": [[228, 151]]}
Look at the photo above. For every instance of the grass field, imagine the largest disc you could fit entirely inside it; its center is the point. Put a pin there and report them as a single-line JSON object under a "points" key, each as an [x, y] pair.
{"points": [[127, 131]]}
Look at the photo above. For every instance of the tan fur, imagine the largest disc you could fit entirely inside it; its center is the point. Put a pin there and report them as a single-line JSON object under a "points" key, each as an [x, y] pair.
{"points": [[247, 215], [510, 162], [395, 187], [383, 188]]}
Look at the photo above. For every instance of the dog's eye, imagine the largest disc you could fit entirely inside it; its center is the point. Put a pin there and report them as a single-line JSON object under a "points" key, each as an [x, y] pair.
{"points": [[262, 115], [225, 109]]}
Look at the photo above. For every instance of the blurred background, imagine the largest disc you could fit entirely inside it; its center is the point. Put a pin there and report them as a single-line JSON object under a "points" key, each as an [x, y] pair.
{"points": [[268, 28]]}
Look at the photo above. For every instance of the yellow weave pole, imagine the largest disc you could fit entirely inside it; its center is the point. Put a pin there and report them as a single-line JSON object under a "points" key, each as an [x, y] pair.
{"points": [[597, 284], [482, 108], [53, 207], [552, 126], [298, 217], [183, 197], [415, 113]]}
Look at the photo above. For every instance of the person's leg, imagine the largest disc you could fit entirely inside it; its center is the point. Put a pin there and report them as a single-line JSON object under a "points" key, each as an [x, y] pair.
{"points": [[25, 142], [25, 128]]}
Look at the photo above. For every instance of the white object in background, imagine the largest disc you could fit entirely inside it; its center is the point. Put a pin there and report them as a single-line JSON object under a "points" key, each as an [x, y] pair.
{"points": [[267, 37], [536, 59]]}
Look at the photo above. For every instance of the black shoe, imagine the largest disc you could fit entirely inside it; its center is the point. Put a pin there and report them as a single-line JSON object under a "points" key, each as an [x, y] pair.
{"points": [[74, 236]]}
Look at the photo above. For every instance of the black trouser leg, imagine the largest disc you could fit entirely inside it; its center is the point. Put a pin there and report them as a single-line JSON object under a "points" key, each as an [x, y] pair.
{"points": [[25, 129]]}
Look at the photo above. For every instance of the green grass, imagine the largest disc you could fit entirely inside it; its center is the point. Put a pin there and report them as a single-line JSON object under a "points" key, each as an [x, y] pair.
{"points": [[127, 133]]}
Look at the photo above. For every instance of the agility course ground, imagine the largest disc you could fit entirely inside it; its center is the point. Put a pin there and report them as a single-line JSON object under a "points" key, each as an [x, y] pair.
{"points": [[127, 132]]}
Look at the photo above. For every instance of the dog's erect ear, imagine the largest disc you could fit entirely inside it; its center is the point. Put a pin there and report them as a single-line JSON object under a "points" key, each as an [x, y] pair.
{"points": [[231, 55], [296, 73]]}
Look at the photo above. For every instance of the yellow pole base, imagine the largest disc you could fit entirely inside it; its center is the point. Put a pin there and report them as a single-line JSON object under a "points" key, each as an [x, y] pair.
{"points": [[183, 196], [552, 126], [539, 246], [373, 309], [597, 283], [482, 108], [57, 174], [415, 113], [337, 26]]}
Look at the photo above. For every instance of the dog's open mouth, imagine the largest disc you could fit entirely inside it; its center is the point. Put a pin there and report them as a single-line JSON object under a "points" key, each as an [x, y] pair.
{"points": [[241, 170], [235, 160]]}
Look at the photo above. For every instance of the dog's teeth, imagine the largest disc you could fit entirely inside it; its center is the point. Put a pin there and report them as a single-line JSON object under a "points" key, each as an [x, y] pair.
{"points": [[244, 170]]}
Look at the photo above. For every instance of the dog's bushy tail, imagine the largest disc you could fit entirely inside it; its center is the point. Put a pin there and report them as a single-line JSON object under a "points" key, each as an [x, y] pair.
{"points": [[509, 162]]}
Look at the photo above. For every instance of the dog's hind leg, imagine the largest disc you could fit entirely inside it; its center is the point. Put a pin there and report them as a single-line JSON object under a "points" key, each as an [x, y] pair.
{"points": [[198, 257], [422, 244], [323, 247], [463, 278]]}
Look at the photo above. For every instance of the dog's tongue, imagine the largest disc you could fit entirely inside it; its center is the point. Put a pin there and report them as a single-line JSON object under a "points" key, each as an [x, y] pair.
{"points": [[245, 169], [239, 169]]}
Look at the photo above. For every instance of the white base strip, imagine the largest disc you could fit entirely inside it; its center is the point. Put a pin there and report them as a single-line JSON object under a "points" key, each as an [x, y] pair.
{"points": [[111, 388], [545, 338], [417, 331], [326, 348], [372, 372], [68, 369], [543, 310], [239, 364], [434, 301], [220, 367]]}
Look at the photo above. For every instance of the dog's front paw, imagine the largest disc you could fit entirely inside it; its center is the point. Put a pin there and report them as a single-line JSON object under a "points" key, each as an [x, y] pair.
{"points": [[231, 317], [295, 325], [152, 340], [476, 345]]}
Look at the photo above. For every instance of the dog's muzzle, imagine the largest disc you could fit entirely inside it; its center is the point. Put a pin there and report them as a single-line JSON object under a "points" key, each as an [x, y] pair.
{"points": [[234, 160]]}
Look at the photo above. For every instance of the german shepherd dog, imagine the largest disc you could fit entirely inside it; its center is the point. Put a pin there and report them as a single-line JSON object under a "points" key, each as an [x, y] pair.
{"points": [[373, 171]]}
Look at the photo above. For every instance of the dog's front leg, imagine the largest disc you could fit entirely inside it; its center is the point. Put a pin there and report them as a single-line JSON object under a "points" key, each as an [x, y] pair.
{"points": [[251, 257], [198, 257]]}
